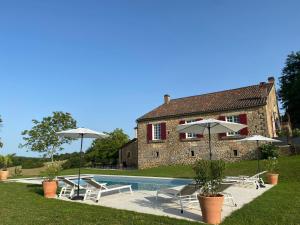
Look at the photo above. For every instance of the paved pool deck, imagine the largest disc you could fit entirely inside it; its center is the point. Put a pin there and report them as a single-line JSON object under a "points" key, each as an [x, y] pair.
{"points": [[145, 201]]}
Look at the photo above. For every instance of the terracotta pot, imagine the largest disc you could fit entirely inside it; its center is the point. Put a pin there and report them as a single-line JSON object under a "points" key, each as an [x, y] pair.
{"points": [[50, 188], [211, 208], [4, 174], [272, 178]]}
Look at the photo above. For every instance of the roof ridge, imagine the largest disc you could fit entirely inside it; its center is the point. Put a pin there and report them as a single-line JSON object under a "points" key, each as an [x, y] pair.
{"points": [[215, 92]]}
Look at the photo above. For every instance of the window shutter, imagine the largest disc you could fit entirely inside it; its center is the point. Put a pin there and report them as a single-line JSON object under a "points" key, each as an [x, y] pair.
{"points": [[221, 135], [163, 131], [182, 135], [199, 135], [149, 132], [243, 120]]}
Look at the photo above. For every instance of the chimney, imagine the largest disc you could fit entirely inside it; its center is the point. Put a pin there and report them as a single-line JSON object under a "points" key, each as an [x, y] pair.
{"points": [[166, 99], [135, 132], [271, 80], [263, 88]]}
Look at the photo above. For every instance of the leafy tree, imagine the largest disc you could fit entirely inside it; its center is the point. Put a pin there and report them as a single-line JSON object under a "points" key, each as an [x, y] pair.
{"points": [[106, 150], [1, 143], [43, 138], [289, 92]]}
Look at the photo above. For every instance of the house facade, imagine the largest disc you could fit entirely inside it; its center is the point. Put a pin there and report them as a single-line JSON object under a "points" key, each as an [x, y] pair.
{"points": [[158, 142]]}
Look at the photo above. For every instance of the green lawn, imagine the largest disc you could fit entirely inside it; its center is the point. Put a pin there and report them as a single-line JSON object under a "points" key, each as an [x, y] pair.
{"points": [[24, 204], [186, 171]]}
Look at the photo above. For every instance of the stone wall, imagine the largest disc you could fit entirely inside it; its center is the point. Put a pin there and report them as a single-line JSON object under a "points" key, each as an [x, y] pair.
{"points": [[272, 113], [128, 154], [176, 151]]}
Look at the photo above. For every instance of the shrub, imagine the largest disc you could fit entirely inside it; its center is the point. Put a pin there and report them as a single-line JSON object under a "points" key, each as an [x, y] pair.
{"points": [[73, 162], [6, 161], [272, 164], [209, 175], [18, 171], [282, 133], [269, 150], [296, 132], [30, 164], [52, 171]]}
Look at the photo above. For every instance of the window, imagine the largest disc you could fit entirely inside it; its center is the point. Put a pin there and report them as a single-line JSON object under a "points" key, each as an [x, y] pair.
{"points": [[157, 131], [190, 135], [235, 153], [157, 154], [128, 154], [234, 119], [192, 153]]}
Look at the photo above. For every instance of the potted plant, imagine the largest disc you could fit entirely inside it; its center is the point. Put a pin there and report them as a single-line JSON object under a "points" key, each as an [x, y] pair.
{"points": [[209, 175], [272, 167], [50, 182], [6, 161]]}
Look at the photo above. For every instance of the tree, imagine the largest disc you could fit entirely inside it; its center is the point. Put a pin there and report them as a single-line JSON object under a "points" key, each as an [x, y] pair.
{"points": [[43, 138], [1, 143], [106, 150], [289, 92]]}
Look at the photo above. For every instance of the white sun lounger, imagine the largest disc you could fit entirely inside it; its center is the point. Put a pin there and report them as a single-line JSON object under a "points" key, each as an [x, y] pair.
{"points": [[247, 180], [187, 194], [96, 189], [69, 188]]}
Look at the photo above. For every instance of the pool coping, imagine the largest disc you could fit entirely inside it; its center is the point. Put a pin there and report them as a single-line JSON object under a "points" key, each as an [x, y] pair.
{"points": [[162, 178], [105, 175]]}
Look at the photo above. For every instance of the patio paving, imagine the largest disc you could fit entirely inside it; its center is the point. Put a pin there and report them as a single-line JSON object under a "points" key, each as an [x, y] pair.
{"points": [[145, 202]]}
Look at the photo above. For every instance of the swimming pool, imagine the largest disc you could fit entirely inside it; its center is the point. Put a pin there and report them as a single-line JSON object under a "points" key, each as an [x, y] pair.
{"points": [[142, 183]]}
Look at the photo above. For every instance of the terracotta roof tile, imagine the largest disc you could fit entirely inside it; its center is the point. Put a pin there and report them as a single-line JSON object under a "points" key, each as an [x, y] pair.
{"points": [[245, 97]]}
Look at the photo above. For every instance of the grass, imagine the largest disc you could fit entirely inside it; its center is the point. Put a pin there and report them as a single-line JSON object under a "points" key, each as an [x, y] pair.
{"points": [[177, 171], [24, 204]]}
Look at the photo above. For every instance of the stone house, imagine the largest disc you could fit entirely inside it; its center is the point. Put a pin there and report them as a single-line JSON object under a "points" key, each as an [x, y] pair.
{"points": [[158, 142], [128, 154]]}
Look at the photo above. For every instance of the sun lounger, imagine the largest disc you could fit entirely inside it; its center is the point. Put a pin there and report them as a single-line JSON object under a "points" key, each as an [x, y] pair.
{"points": [[96, 189], [187, 194], [69, 188], [254, 180], [184, 194]]}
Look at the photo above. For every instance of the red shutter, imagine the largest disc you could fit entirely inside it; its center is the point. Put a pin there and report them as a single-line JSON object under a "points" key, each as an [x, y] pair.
{"points": [[163, 131], [199, 135], [243, 120], [149, 132], [182, 135], [221, 135]]}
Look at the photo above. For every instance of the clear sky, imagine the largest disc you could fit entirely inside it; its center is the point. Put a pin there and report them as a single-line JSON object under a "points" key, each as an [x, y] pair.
{"points": [[109, 62]]}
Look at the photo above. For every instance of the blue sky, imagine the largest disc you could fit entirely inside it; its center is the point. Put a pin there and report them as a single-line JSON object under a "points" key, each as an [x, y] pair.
{"points": [[109, 62]]}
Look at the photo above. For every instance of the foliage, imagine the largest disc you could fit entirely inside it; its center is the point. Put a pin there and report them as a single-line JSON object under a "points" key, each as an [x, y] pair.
{"points": [[52, 170], [1, 121], [105, 151], [42, 137], [28, 162], [296, 132], [269, 150], [282, 133], [289, 87], [18, 171], [209, 175], [271, 164], [73, 161], [6, 161]]}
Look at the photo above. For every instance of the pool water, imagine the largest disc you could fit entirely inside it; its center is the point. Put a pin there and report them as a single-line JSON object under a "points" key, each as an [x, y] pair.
{"points": [[143, 183]]}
